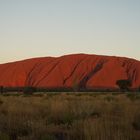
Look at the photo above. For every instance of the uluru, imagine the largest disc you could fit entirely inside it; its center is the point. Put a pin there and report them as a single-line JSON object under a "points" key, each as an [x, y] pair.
{"points": [[87, 71]]}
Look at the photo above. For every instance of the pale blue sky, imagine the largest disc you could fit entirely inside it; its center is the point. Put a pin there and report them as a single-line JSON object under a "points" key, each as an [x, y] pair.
{"points": [[34, 28]]}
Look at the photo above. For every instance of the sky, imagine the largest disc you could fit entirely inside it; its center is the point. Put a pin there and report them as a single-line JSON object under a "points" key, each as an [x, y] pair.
{"points": [[38, 28]]}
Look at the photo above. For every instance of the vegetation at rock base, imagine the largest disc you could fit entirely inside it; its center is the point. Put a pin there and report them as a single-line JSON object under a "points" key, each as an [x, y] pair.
{"points": [[124, 85]]}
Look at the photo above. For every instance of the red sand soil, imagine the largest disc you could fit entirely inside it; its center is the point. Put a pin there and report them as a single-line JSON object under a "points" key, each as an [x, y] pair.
{"points": [[67, 71]]}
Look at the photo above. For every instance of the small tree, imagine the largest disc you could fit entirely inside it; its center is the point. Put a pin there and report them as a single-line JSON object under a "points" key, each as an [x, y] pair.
{"points": [[124, 85]]}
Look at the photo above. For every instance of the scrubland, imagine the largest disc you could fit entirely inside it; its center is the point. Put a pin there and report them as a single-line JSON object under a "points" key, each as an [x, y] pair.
{"points": [[70, 116]]}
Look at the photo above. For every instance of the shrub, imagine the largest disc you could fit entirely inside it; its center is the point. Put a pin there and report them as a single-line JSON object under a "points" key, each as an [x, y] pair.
{"points": [[109, 98], [95, 114], [66, 118], [133, 96], [1, 89], [29, 90]]}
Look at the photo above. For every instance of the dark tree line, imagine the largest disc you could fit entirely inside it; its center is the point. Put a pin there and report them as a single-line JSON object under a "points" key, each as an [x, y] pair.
{"points": [[124, 85]]}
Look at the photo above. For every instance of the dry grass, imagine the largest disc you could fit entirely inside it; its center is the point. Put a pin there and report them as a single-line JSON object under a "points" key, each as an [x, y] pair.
{"points": [[70, 117]]}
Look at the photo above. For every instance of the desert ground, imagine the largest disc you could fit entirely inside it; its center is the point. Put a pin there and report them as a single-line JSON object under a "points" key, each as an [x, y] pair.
{"points": [[70, 116]]}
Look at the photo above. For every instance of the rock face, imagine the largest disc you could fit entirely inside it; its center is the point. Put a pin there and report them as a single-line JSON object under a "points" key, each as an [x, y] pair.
{"points": [[86, 71]]}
